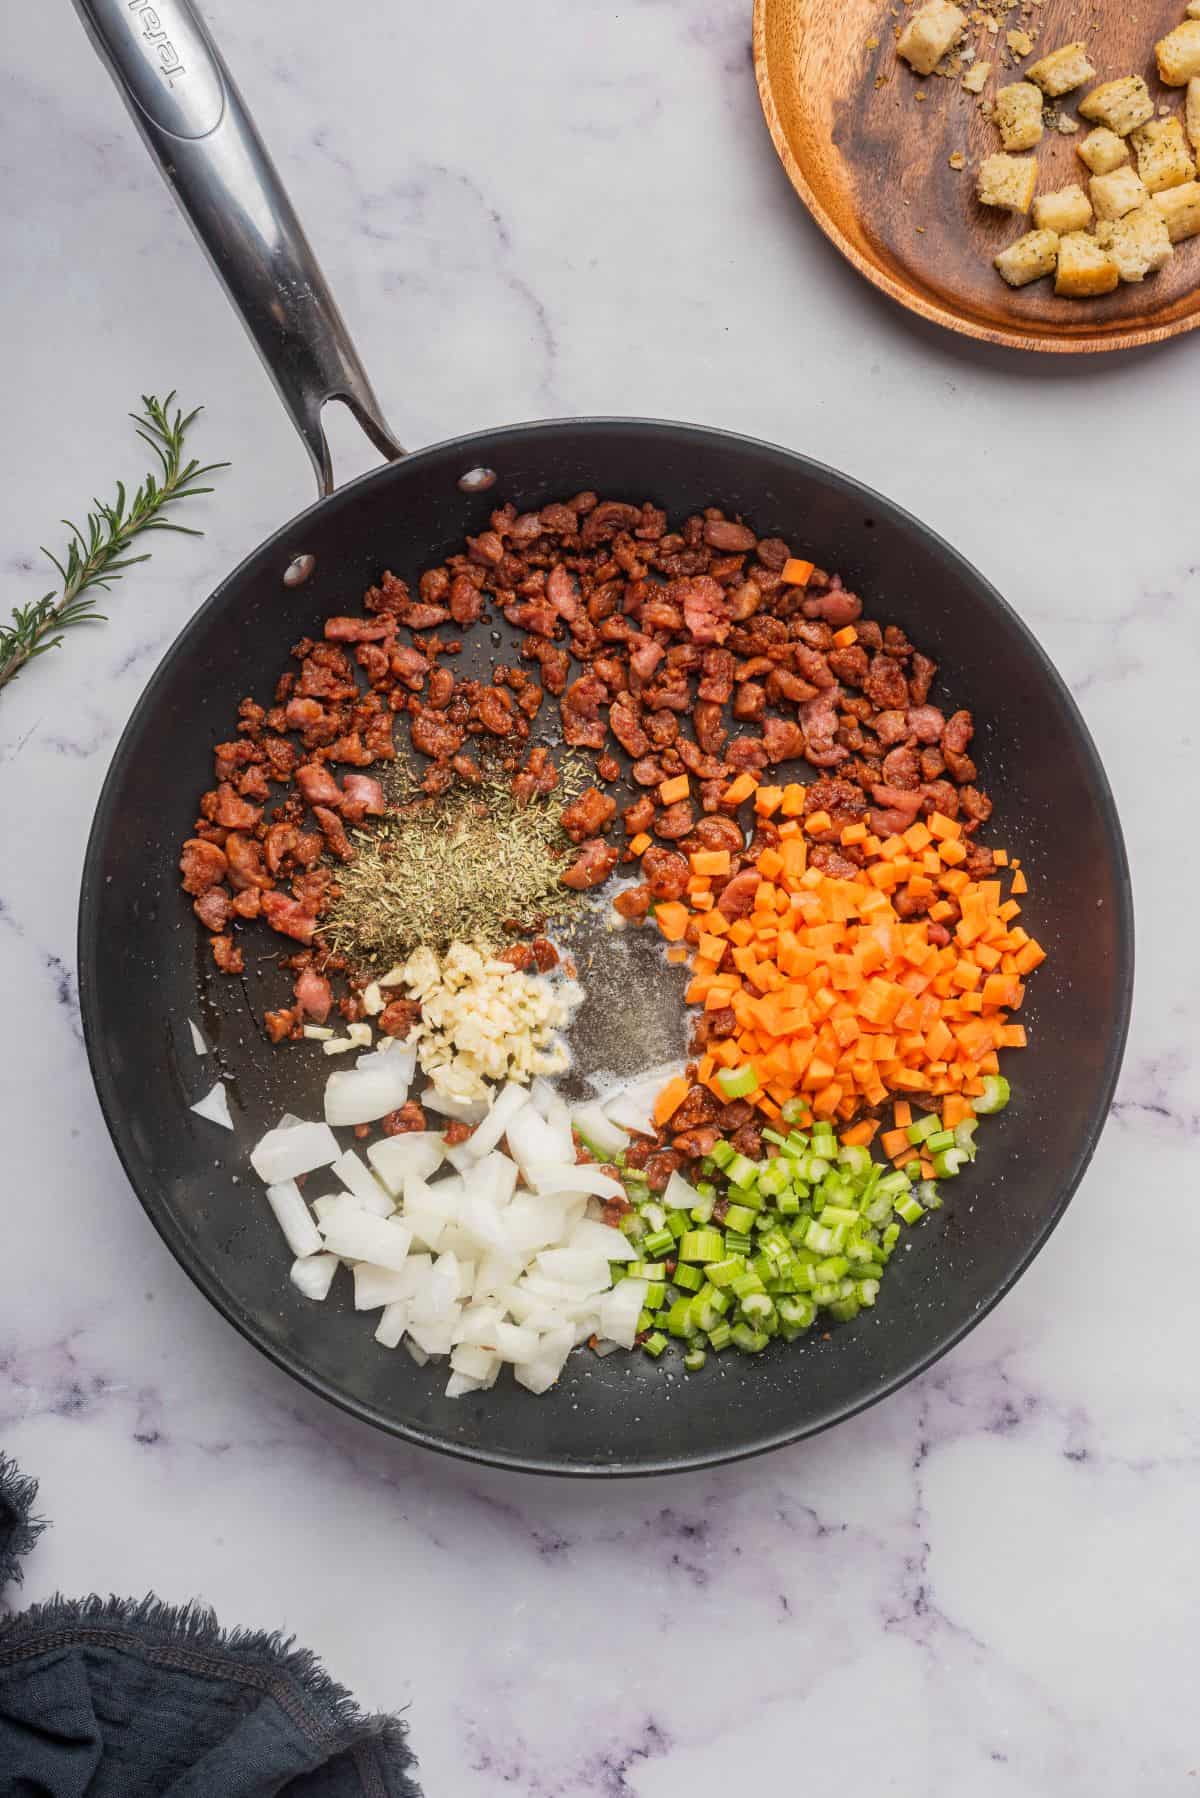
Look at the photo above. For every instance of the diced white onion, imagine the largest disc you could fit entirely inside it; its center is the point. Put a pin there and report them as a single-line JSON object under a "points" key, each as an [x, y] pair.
{"points": [[679, 1195], [556, 1112], [467, 1111], [585, 1177], [198, 1042], [576, 1267], [540, 1373], [474, 1363], [503, 1261], [364, 1094], [357, 1236], [487, 1134], [313, 1275], [357, 1178], [293, 1148], [598, 1129], [215, 1106], [413, 1152], [531, 1140], [375, 1286], [294, 1218], [601, 1239], [633, 1106], [393, 1321], [620, 1310]]}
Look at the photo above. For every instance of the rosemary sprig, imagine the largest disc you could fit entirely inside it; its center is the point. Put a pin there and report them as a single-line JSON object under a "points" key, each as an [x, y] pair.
{"points": [[98, 554]]}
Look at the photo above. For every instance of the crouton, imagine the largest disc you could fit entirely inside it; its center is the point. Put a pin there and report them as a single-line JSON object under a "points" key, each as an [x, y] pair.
{"points": [[1116, 194], [1062, 70], [1017, 115], [1192, 110], [1164, 159], [975, 79], [1007, 182], [1085, 267], [1067, 210], [1139, 243], [1178, 54], [1180, 207], [1122, 105], [1103, 150], [1031, 257], [933, 29]]}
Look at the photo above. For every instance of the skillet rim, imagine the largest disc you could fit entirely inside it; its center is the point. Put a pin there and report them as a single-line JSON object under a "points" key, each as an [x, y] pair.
{"points": [[473, 446]]}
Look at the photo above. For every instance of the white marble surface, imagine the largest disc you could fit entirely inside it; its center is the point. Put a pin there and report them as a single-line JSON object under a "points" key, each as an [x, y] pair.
{"points": [[988, 1585]]}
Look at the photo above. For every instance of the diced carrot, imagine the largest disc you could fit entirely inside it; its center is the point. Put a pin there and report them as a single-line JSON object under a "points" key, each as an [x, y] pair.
{"points": [[1000, 857], [677, 954], [670, 1099], [818, 822], [846, 636], [639, 844], [672, 919], [859, 1135], [710, 861], [794, 795], [838, 996], [1019, 883], [678, 787], [768, 800], [796, 571], [738, 789]]}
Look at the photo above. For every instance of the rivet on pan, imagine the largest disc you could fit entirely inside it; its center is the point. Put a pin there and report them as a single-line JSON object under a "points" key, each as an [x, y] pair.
{"points": [[297, 572], [477, 480]]}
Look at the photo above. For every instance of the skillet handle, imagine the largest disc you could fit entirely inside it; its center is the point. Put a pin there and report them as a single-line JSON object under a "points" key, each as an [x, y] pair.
{"points": [[186, 106]]}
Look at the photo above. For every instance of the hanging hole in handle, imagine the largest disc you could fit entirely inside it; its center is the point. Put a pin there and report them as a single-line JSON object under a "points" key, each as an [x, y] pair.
{"points": [[477, 480]]}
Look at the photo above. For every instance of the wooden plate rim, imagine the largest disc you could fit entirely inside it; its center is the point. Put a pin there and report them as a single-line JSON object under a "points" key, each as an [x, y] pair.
{"points": [[1012, 339]]}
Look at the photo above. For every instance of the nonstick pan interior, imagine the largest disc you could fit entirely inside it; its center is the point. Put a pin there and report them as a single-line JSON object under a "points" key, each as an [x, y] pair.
{"points": [[144, 966]]}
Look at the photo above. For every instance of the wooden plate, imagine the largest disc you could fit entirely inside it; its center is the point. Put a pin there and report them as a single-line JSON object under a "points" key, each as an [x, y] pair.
{"points": [[872, 166]]}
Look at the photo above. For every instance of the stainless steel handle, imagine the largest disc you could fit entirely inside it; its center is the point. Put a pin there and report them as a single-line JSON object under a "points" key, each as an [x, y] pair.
{"points": [[186, 106]]}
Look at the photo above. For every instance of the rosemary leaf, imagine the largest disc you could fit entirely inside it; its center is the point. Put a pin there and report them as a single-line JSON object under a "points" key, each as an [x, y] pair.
{"points": [[97, 553]]}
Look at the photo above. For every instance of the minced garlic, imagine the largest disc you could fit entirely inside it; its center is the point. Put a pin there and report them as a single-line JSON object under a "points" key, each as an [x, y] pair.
{"points": [[482, 1020]]}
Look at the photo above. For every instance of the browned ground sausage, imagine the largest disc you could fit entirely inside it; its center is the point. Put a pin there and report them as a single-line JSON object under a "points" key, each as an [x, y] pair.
{"points": [[636, 629], [202, 865], [737, 895], [593, 864], [398, 1017], [665, 873], [588, 815]]}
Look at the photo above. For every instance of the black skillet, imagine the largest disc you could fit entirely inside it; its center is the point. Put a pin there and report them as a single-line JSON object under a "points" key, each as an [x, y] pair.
{"points": [[143, 965]]}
